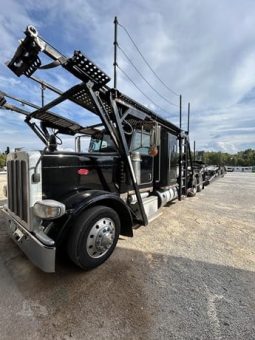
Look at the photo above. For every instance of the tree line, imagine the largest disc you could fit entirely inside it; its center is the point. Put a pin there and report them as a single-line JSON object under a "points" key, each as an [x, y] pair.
{"points": [[241, 158], [2, 160]]}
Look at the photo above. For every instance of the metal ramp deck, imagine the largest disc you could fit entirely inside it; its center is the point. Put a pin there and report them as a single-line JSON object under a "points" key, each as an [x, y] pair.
{"points": [[93, 94]]}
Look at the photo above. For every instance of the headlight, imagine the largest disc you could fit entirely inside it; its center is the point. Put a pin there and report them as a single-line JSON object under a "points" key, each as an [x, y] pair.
{"points": [[5, 190], [49, 209]]}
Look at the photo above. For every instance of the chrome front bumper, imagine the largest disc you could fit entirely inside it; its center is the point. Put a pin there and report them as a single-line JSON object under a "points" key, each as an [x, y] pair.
{"points": [[39, 254]]}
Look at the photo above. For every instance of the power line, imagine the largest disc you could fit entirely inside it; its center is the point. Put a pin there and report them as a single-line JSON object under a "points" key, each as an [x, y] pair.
{"points": [[141, 75], [144, 94], [146, 62]]}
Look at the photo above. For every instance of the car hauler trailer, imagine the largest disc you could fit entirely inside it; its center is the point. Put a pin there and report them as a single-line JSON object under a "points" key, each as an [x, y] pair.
{"points": [[136, 163]]}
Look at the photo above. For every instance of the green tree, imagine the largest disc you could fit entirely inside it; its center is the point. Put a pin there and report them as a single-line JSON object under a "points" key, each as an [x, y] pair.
{"points": [[2, 160], [242, 158]]}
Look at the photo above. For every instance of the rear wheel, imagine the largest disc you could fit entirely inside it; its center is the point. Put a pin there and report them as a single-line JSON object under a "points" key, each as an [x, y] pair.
{"points": [[192, 192], [199, 184], [94, 237]]}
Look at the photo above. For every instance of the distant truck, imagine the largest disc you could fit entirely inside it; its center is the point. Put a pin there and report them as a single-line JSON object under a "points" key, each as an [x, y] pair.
{"points": [[230, 168], [136, 163], [243, 168], [239, 168]]}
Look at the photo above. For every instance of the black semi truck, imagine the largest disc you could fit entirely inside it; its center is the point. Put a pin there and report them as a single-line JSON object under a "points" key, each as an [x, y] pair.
{"points": [[136, 163]]}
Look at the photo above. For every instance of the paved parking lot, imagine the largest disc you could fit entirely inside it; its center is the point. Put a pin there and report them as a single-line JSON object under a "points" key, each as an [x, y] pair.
{"points": [[189, 275]]}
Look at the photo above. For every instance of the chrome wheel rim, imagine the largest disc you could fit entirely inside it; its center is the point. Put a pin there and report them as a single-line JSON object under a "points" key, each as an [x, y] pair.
{"points": [[100, 238]]}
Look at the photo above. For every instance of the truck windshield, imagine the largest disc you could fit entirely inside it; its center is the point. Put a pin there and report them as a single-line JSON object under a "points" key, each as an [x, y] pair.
{"points": [[102, 144]]}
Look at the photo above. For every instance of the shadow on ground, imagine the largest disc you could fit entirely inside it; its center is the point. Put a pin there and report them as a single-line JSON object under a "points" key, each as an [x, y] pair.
{"points": [[134, 295]]}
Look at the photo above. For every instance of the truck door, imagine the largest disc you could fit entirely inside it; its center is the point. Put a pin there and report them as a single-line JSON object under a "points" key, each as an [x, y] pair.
{"points": [[168, 159], [142, 161]]}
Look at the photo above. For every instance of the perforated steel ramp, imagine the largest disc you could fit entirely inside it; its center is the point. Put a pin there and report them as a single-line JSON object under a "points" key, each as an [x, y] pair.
{"points": [[50, 119], [57, 121], [86, 68], [82, 97]]}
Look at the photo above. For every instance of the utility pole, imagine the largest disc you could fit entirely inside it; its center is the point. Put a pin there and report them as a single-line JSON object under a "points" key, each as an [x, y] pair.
{"points": [[188, 116], [180, 154], [115, 44], [180, 111]]}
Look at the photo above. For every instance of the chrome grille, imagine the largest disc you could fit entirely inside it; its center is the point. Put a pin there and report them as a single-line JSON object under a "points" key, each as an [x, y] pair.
{"points": [[17, 188]]}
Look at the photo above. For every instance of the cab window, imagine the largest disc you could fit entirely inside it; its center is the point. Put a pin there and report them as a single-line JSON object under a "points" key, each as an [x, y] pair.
{"points": [[141, 142], [101, 143]]}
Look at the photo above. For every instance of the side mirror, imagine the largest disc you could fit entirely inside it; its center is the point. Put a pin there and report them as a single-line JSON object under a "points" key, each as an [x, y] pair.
{"points": [[153, 151], [155, 140], [78, 144]]}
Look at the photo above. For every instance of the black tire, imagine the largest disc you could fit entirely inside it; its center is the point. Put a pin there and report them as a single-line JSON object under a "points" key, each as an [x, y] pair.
{"points": [[192, 192], [199, 184], [86, 230]]}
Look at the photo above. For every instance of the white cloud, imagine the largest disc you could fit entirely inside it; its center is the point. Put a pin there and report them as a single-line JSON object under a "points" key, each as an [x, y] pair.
{"points": [[243, 79], [203, 49]]}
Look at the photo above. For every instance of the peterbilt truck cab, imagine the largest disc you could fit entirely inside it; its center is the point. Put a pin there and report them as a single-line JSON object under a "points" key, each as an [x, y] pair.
{"points": [[54, 196]]}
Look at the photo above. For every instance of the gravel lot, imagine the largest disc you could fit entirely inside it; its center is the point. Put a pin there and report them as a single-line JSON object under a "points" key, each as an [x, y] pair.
{"points": [[189, 275]]}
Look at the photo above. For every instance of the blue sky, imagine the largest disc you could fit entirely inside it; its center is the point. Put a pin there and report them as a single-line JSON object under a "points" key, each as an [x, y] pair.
{"points": [[203, 49]]}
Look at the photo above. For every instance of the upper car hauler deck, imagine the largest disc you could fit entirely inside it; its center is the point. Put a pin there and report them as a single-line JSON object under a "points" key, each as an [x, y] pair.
{"points": [[137, 162]]}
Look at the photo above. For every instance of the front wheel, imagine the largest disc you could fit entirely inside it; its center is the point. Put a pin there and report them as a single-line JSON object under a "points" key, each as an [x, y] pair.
{"points": [[94, 237]]}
